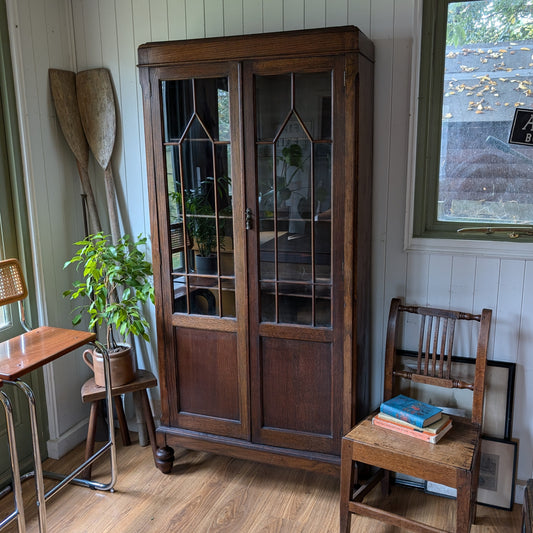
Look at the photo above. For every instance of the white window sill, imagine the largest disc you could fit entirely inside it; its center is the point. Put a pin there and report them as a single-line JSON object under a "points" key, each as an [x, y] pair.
{"points": [[511, 250]]}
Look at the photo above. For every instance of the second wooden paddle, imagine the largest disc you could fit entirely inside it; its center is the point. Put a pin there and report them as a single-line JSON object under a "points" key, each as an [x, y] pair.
{"points": [[96, 103]]}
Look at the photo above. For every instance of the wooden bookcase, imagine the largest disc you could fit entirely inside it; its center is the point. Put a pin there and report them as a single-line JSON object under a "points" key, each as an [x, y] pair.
{"points": [[261, 146]]}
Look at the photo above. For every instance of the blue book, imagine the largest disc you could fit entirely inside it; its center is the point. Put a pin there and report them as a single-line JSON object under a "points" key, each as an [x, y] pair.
{"points": [[415, 412]]}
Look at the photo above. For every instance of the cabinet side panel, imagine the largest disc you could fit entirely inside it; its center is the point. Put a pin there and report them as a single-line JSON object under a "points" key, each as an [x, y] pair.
{"points": [[363, 224], [207, 373]]}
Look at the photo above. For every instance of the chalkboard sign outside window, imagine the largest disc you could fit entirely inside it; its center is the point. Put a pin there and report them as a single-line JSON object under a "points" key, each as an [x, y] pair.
{"points": [[522, 129]]}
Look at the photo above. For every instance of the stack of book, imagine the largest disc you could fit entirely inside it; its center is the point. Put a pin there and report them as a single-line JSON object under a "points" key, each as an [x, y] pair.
{"points": [[414, 418]]}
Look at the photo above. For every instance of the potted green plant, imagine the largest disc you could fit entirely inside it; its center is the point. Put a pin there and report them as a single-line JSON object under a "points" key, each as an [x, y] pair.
{"points": [[201, 222], [288, 166], [116, 282]]}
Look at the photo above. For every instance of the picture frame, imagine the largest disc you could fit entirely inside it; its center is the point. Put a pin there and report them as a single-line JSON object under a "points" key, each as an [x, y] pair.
{"points": [[497, 473], [497, 412], [499, 392]]}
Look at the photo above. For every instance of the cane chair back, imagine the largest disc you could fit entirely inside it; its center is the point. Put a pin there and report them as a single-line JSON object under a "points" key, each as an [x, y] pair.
{"points": [[12, 285]]}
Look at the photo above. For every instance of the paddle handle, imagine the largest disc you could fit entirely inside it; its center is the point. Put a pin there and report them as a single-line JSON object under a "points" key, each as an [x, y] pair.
{"points": [[111, 196], [94, 220]]}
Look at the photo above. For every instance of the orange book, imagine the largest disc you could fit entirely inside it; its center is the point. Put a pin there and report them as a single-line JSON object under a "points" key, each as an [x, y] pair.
{"points": [[416, 433], [433, 429]]}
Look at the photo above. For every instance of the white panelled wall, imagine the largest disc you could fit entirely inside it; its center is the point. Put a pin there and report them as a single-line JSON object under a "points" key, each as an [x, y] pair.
{"points": [[81, 34]]}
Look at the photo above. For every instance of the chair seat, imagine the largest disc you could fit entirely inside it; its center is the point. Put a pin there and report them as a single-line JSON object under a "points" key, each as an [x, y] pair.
{"points": [[440, 462]]}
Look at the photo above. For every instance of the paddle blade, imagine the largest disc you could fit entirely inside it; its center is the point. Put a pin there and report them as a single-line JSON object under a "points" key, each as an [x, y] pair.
{"points": [[96, 103], [63, 89]]}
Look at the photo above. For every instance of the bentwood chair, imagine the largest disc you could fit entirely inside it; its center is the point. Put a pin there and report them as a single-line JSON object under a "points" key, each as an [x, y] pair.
{"points": [[18, 512], [454, 460], [24, 353]]}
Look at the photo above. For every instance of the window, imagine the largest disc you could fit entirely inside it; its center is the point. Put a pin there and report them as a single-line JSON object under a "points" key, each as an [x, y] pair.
{"points": [[13, 219], [476, 69]]}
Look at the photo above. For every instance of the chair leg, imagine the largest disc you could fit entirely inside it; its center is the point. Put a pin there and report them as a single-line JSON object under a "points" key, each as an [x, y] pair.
{"points": [[149, 420], [346, 487], [139, 418], [385, 483], [464, 503], [122, 423], [475, 483], [91, 435]]}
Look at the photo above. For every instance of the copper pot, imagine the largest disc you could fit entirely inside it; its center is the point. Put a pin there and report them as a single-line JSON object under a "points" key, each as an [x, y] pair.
{"points": [[120, 362]]}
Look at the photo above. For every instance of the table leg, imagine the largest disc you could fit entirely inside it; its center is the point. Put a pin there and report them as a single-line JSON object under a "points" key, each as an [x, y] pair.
{"points": [[18, 512], [149, 420], [39, 483]]}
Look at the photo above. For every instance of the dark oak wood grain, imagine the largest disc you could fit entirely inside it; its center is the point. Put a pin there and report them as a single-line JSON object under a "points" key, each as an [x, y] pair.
{"points": [[245, 385]]}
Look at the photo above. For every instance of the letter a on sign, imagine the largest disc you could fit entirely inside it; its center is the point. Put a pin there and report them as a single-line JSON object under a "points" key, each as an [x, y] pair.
{"points": [[522, 129]]}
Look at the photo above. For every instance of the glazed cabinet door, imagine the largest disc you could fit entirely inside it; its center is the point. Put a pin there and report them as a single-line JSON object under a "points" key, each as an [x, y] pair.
{"points": [[200, 280], [295, 190]]}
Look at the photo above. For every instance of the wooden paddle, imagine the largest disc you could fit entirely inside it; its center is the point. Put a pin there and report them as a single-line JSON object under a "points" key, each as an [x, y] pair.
{"points": [[96, 104], [63, 88]]}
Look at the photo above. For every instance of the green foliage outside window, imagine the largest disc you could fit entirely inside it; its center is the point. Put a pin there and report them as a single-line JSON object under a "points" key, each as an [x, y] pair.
{"points": [[489, 22]]}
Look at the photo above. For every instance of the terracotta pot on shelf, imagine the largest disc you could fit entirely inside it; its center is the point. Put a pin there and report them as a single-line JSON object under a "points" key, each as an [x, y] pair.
{"points": [[120, 362]]}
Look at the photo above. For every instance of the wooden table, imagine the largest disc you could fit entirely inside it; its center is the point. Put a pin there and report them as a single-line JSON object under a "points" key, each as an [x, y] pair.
{"points": [[30, 351]]}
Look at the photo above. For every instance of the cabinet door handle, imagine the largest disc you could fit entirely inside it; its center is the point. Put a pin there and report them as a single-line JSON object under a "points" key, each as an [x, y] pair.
{"points": [[248, 220]]}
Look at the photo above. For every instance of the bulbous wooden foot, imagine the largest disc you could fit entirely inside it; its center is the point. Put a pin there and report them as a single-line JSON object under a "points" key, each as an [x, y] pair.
{"points": [[164, 459]]}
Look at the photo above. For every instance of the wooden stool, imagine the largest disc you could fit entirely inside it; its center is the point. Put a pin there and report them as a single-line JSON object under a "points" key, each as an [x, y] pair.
{"points": [[90, 392]]}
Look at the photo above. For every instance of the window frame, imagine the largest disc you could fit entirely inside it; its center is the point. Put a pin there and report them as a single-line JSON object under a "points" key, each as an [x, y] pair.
{"points": [[14, 226], [426, 142]]}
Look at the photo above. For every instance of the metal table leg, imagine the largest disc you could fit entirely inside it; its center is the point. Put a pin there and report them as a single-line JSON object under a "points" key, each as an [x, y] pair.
{"points": [[18, 512]]}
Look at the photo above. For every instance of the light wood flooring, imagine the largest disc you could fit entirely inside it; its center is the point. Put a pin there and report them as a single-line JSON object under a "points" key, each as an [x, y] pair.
{"points": [[208, 493]]}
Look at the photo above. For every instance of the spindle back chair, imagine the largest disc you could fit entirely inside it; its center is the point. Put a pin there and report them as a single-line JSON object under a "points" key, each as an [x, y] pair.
{"points": [[454, 460]]}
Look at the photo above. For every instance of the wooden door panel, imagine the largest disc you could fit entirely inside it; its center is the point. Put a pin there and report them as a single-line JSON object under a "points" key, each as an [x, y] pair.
{"points": [[196, 187], [294, 395], [207, 381], [295, 250]]}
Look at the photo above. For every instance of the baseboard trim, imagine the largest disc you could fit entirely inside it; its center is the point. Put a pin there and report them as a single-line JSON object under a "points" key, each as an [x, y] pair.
{"points": [[67, 441]]}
